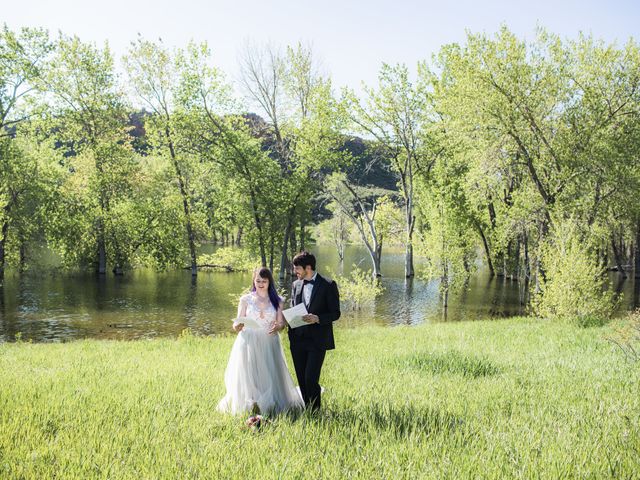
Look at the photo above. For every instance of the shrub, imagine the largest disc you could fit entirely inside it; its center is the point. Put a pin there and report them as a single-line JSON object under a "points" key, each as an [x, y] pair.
{"points": [[358, 289], [573, 284]]}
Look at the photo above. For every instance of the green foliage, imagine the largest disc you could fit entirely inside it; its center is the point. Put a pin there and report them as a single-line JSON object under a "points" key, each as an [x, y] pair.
{"points": [[542, 129], [359, 289], [487, 145], [573, 287], [389, 219], [23, 56], [29, 177], [87, 120], [152, 227], [231, 259], [399, 114], [25, 179], [445, 236]]}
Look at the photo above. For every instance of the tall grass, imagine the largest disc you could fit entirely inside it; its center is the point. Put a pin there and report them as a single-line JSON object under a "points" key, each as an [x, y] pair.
{"points": [[518, 398]]}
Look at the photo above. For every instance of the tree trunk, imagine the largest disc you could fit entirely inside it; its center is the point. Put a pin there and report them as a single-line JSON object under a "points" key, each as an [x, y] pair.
{"points": [[602, 257], [378, 262], [284, 257], [185, 205], [516, 260], [118, 257], [444, 285], [102, 259], [102, 250], [408, 256], [375, 254], [258, 223], [239, 236], [263, 249], [375, 261], [293, 244], [408, 262], [487, 252], [302, 235], [616, 255], [504, 260], [3, 241], [539, 274], [527, 261], [23, 255], [190, 234], [492, 213], [263, 253], [636, 254], [272, 251], [500, 263]]}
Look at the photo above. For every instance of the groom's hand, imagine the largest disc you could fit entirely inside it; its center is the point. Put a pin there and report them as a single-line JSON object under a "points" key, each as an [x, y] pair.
{"points": [[311, 318]]}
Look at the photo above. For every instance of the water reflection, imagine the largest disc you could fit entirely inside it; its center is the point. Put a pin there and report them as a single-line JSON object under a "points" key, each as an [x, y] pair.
{"points": [[145, 303]]}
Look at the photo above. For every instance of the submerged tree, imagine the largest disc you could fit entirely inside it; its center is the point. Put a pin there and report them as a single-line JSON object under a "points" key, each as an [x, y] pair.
{"points": [[22, 58], [546, 131], [397, 115], [89, 120], [154, 75]]}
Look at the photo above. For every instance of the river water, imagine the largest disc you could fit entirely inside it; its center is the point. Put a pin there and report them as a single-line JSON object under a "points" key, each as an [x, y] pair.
{"points": [[145, 303]]}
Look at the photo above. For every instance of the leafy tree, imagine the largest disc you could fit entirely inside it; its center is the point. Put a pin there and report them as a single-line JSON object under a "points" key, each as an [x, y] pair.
{"points": [[154, 74], [22, 56], [214, 131], [396, 115], [303, 129], [360, 205], [540, 128], [89, 118]]}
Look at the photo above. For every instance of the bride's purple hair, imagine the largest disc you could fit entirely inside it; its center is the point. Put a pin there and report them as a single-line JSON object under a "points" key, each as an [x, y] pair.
{"points": [[264, 272]]}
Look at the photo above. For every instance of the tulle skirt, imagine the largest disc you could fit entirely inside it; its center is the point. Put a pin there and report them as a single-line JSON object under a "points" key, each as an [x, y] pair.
{"points": [[257, 374]]}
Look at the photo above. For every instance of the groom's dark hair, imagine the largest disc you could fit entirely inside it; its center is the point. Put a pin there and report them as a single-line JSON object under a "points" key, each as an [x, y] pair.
{"points": [[303, 259]]}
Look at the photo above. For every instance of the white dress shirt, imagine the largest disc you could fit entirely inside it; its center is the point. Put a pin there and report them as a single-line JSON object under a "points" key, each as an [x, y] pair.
{"points": [[307, 289]]}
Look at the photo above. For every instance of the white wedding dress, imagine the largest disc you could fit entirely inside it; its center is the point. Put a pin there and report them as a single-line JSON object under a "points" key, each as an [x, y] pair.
{"points": [[257, 370]]}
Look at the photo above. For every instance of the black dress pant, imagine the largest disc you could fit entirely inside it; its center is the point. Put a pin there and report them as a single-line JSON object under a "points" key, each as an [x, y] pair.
{"points": [[307, 361]]}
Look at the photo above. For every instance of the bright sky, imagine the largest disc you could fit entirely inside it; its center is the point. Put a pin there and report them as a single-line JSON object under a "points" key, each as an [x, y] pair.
{"points": [[352, 38]]}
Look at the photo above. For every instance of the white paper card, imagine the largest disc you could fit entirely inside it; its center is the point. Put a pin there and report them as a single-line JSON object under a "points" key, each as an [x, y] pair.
{"points": [[248, 322], [293, 315]]}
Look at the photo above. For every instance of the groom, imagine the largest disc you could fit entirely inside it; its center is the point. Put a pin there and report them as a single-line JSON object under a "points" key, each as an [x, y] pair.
{"points": [[310, 343]]}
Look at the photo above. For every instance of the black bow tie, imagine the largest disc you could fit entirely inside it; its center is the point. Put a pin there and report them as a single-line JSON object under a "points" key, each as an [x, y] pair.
{"points": [[305, 282]]}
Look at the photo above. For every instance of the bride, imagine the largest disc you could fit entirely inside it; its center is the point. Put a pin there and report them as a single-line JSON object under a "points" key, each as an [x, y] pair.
{"points": [[257, 377]]}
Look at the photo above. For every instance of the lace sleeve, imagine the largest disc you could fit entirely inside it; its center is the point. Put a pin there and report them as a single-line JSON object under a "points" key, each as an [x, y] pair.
{"points": [[242, 306]]}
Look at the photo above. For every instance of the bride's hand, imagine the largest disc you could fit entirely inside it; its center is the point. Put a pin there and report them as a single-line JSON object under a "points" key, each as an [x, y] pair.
{"points": [[238, 327], [275, 327]]}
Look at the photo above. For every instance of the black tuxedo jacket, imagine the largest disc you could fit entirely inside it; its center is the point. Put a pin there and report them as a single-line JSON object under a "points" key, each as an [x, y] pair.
{"points": [[325, 303]]}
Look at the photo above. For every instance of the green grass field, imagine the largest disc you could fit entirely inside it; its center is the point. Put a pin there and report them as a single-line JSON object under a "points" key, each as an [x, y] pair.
{"points": [[517, 398]]}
